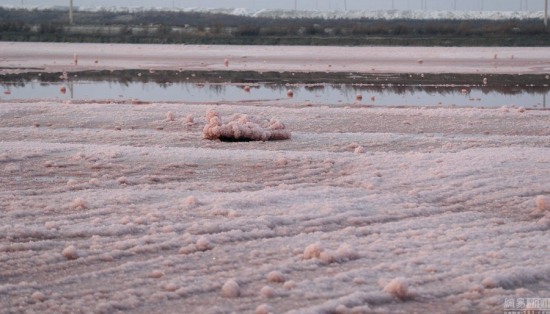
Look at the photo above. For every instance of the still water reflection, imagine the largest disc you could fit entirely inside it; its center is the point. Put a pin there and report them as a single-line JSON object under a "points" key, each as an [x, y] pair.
{"points": [[327, 94]]}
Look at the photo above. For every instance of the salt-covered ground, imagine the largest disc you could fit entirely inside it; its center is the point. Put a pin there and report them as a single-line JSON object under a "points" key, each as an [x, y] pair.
{"points": [[52, 57], [124, 207]]}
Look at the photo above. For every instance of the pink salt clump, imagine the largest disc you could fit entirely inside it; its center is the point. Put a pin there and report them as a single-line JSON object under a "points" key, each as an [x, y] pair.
{"points": [[490, 282], [543, 203], [264, 309], [38, 296], [312, 251], [70, 252], [156, 274], [122, 180], [191, 202], [79, 203], [189, 119], [267, 292], [398, 287], [289, 285], [243, 127], [276, 276], [203, 244], [327, 257], [170, 116], [346, 252], [170, 287], [231, 289]]}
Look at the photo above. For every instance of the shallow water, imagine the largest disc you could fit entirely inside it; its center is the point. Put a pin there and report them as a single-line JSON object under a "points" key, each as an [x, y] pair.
{"points": [[326, 94]]}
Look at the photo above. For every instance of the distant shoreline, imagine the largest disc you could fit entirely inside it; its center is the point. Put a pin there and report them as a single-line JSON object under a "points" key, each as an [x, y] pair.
{"points": [[307, 14], [312, 28]]}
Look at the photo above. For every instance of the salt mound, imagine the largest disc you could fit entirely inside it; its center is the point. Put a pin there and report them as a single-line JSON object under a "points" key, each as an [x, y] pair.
{"points": [[243, 127], [398, 287], [231, 289], [543, 203], [267, 292], [38, 296], [276, 276], [312, 251], [70, 252], [264, 309]]}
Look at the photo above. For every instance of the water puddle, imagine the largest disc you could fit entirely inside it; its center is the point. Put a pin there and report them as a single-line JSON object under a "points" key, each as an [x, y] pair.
{"points": [[391, 90], [326, 94]]}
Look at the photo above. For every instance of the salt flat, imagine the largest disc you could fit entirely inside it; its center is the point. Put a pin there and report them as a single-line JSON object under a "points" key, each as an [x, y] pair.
{"points": [[53, 57], [125, 207]]}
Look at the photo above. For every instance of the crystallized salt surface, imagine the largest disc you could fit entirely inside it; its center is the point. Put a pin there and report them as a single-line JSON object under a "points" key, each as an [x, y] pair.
{"points": [[52, 57], [120, 207]]}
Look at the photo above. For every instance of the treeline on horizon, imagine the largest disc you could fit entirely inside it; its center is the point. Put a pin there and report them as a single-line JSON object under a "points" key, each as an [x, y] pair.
{"points": [[209, 28]]}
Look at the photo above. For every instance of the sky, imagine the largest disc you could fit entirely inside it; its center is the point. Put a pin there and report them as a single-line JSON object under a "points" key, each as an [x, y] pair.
{"points": [[468, 5]]}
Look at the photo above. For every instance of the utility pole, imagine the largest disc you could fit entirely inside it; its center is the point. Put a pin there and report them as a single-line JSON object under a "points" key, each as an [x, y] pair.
{"points": [[345, 5], [70, 12], [546, 13], [295, 5]]}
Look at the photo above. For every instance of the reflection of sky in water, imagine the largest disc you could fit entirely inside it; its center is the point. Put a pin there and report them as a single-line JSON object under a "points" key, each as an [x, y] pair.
{"points": [[319, 94]]}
